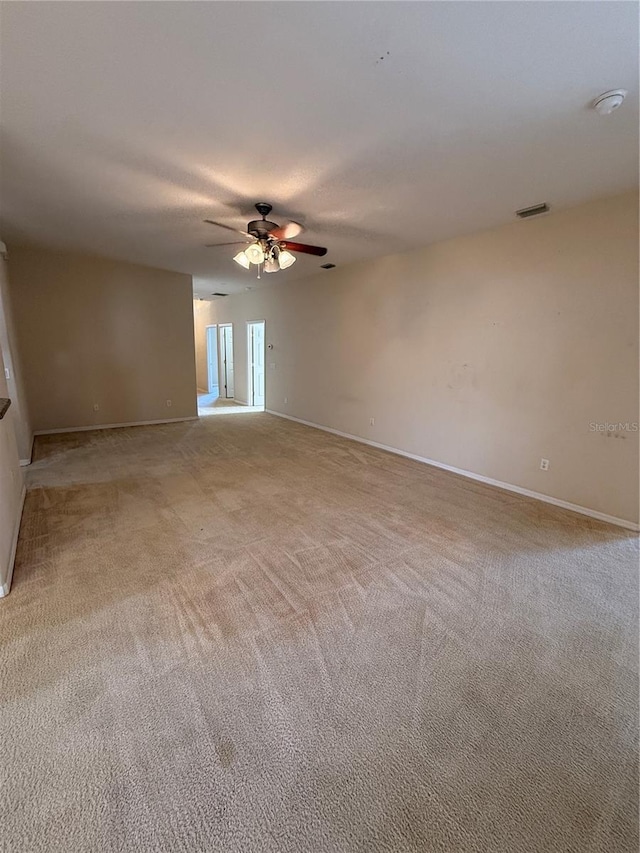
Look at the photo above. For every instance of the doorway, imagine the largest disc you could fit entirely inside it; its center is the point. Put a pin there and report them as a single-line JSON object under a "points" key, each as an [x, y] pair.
{"points": [[255, 360], [213, 379], [226, 358]]}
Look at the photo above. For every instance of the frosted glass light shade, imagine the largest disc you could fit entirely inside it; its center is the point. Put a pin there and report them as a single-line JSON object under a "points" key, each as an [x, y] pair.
{"points": [[243, 260], [271, 265], [254, 253], [286, 259]]}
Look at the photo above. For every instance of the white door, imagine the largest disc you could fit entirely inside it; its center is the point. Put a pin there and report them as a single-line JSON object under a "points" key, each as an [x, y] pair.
{"points": [[212, 360], [256, 363], [227, 359]]}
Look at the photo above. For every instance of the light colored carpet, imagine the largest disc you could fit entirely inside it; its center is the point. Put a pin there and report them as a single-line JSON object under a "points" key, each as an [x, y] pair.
{"points": [[208, 404], [242, 634]]}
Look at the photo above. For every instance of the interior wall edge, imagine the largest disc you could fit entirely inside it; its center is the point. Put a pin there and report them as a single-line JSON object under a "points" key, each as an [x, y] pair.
{"points": [[5, 588], [28, 459]]}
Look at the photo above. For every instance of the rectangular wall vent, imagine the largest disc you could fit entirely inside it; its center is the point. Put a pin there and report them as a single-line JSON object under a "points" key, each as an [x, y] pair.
{"points": [[532, 211]]}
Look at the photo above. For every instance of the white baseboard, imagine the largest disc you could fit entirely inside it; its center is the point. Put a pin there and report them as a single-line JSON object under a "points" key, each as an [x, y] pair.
{"points": [[4, 589], [113, 426], [583, 510]]}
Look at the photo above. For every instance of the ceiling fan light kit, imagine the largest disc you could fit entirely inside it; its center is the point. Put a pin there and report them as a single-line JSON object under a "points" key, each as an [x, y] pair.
{"points": [[270, 247]]}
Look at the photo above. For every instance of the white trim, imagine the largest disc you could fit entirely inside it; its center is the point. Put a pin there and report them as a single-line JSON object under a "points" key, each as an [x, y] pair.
{"points": [[211, 385], [249, 359], [583, 510], [222, 374], [4, 589], [113, 426], [250, 323]]}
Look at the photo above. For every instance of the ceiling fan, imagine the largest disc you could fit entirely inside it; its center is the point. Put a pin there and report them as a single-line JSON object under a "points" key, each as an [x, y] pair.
{"points": [[270, 247]]}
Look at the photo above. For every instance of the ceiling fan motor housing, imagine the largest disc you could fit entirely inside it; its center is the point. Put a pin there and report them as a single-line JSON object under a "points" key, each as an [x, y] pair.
{"points": [[261, 228]]}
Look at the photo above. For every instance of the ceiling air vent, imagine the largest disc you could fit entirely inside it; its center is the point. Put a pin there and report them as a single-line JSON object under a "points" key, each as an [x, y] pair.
{"points": [[327, 266], [526, 212]]}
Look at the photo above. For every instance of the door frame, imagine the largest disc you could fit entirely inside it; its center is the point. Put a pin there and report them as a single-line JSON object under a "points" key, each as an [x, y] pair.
{"points": [[211, 384], [222, 361], [250, 365]]}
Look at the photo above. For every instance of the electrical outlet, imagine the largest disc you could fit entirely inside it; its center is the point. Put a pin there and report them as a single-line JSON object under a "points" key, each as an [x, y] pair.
{"points": [[169, 403], [7, 373], [372, 421], [544, 464], [286, 399], [96, 407]]}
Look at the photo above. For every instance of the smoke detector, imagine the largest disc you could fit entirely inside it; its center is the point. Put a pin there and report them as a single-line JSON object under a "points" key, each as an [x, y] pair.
{"points": [[609, 102]]}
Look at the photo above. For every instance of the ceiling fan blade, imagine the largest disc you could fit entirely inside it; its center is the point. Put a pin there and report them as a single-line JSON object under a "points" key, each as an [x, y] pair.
{"points": [[303, 248], [232, 243], [287, 231], [228, 227]]}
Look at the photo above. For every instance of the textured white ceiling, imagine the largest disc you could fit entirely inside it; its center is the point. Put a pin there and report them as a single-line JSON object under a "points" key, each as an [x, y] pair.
{"points": [[380, 126]]}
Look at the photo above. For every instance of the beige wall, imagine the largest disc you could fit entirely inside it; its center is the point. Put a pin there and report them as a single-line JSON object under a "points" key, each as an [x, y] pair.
{"points": [[97, 331], [485, 352], [11, 482], [202, 314]]}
